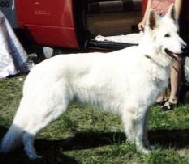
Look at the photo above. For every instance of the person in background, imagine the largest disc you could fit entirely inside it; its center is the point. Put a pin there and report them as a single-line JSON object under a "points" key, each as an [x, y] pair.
{"points": [[161, 8], [13, 57]]}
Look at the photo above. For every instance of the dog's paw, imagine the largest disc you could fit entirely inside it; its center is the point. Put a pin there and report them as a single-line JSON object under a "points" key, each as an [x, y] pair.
{"points": [[34, 157], [144, 150], [153, 147]]}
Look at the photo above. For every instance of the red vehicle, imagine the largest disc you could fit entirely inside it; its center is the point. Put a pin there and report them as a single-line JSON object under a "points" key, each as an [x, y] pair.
{"points": [[75, 23], [72, 23]]}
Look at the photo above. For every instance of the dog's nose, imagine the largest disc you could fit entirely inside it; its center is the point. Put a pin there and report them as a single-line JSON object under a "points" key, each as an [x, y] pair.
{"points": [[184, 47]]}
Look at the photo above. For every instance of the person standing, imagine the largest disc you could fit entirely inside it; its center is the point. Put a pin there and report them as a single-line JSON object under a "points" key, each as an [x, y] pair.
{"points": [[161, 8]]}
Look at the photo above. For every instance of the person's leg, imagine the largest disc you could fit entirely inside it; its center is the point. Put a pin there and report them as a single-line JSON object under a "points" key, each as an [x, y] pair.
{"points": [[175, 79], [162, 98]]}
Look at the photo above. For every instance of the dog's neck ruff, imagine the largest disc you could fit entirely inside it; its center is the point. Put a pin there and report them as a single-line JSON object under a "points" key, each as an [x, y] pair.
{"points": [[155, 75]]}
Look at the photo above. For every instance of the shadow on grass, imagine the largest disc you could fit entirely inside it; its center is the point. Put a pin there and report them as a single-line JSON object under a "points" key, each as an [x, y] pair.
{"points": [[53, 150], [173, 138]]}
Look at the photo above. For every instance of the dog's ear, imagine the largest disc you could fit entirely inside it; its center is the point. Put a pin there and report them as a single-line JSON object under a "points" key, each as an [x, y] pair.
{"points": [[172, 12], [153, 20], [2, 18], [2, 21]]}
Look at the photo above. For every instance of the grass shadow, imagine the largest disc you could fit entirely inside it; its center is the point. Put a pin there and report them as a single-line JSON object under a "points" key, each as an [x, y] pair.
{"points": [[173, 138], [53, 150], [49, 150]]}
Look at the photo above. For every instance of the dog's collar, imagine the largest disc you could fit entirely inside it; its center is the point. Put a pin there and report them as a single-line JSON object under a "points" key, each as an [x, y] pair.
{"points": [[150, 58]]}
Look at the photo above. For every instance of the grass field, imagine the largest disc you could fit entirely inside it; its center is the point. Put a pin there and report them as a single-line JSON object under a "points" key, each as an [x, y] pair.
{"points": [[89, 136]]}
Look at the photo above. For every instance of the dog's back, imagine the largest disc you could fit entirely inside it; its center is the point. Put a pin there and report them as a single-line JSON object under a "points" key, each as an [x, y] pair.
{"points": [[89, 77]]}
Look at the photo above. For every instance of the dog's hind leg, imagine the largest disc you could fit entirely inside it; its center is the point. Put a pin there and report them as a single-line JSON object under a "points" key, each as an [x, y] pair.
{"points": [[28, 141], [32, 120]]}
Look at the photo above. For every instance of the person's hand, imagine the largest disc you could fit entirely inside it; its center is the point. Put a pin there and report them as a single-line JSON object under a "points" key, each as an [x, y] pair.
{"points": [[141, 26]]}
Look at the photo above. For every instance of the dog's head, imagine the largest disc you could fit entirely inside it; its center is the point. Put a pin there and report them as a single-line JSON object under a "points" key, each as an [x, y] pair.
{"points": [[164, 34]]}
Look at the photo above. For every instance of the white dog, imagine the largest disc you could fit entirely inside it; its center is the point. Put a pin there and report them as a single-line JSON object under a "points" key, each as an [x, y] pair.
{"points": [[126, 81]]}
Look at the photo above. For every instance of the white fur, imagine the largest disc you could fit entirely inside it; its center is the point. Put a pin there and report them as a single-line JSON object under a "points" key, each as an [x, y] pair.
{"points": [[126, 81]]}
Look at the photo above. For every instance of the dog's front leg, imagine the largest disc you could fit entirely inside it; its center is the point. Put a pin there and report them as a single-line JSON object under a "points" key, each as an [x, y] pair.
{"points": [[129, 120], [135, 124], [145, 127], [141, 130]]}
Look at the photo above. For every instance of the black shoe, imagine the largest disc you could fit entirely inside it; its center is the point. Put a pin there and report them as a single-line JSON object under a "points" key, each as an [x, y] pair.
{"points": [[169, 106], [161, 103]]}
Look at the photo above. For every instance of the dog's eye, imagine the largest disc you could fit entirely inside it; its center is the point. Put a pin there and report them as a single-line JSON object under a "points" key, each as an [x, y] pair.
{"points": [[167, 35]]}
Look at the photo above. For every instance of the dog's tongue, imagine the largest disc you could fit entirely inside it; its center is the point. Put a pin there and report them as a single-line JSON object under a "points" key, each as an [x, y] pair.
{"points": [[178, 57]]}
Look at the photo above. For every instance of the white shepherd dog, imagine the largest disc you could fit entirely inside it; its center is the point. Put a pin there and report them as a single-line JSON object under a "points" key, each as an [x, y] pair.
{"points": [[126, 81]]}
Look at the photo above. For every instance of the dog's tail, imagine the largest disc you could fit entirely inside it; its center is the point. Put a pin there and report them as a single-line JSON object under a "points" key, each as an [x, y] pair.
{"points": [[12, 139]]}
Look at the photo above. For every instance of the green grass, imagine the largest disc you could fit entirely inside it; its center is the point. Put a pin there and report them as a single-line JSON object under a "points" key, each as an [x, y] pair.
{"points": [[89, 136]]}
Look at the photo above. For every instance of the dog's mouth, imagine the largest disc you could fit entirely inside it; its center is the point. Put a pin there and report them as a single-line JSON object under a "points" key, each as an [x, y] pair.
{"points": [[173, 55]]}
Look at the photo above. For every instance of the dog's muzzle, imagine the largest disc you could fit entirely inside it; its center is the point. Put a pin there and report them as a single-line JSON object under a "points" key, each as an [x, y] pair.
{"points": [[175, 56]]}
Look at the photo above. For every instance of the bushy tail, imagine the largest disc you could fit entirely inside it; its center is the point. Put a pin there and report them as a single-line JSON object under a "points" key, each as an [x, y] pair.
{"points": [[12, 139]]}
